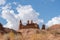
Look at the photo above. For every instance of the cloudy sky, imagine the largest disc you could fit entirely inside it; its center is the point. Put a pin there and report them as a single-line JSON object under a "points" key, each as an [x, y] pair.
{"points": [[40, 11]]}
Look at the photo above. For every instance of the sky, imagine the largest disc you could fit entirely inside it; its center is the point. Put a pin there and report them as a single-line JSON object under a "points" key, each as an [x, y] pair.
{"points": [[40, 11]]}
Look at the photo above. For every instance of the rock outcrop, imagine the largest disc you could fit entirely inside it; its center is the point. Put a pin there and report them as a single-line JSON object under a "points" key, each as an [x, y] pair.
{"points": [[28, 25]]}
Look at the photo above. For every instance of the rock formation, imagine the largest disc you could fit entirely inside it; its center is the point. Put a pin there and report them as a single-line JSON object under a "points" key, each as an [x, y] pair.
{"points": [[28, 25], [7, 30], [30, 31], [1, 27], [43, 27], [54, 27]]}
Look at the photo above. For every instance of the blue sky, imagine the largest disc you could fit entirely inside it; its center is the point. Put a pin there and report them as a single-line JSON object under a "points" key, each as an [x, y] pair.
{"points": [[47, 9]]}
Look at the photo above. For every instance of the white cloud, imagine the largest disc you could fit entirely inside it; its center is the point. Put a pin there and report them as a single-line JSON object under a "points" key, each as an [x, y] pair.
{"points": [[2, 2], [55, 20], [28, 13], [9, 15], [25, 13]]}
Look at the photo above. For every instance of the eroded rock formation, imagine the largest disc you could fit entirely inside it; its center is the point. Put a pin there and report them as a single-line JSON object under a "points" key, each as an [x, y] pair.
{"points": [[28, 25]]}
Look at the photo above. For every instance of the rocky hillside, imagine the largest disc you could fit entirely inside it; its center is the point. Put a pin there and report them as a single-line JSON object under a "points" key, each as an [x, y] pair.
{"points": [[31, 34], [52, 33], [56, 26], [36, 34]]}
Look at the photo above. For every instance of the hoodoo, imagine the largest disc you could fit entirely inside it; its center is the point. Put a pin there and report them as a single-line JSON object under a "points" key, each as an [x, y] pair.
{"points": [[28, 25]]}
